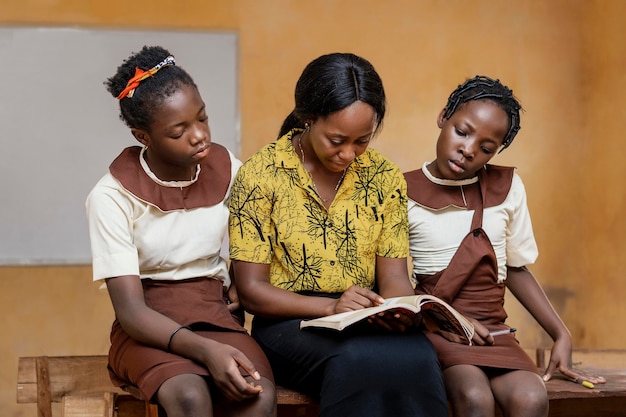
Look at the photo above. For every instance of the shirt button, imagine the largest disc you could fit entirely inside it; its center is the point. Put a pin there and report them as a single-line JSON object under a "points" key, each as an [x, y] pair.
{"points": [[332, 263]]}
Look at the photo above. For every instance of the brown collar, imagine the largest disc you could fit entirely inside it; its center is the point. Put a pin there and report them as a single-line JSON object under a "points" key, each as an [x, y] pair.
{"points": [[209, 189], [435, 196]]}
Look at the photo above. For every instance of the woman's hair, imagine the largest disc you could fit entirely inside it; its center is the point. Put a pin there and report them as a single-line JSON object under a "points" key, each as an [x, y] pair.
{"points": [[331, 83], [137, 111], [484, 88]]}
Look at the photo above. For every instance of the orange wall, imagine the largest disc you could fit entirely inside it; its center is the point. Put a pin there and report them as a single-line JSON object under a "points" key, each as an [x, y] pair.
{"points": [[600, 268], [565, 60]]}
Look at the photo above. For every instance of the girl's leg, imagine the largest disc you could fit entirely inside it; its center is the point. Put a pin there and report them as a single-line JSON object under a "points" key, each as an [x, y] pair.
{"points": [[189, 395], [520, 394], [469, 391], [185, 395], [262, 406]]}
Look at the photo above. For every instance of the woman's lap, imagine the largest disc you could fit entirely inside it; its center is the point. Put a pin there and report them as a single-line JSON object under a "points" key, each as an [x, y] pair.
{"points": [[356, 373]]}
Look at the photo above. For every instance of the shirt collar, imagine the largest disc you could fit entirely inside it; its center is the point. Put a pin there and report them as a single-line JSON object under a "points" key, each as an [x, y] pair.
{"points": [[159, 181], [442, 181]]}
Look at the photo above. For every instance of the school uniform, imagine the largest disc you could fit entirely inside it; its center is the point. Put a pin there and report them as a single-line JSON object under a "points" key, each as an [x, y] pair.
{"points": [[462, 235], [170, 234]]}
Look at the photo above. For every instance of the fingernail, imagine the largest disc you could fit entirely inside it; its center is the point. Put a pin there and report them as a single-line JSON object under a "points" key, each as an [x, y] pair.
{"points": [[257, 375]]}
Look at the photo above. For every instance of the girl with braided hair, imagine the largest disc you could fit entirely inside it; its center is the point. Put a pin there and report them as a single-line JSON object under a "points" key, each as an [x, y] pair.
{"points": [[157, 220], [471, 238]]}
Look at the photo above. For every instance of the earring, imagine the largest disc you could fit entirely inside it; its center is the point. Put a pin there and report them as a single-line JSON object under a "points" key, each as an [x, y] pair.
{"points": [[307, 127]]}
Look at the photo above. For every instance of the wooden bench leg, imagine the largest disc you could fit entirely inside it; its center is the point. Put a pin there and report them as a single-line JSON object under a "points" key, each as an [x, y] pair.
{"points": [[152, 410], [129, 406], [44, 398]]}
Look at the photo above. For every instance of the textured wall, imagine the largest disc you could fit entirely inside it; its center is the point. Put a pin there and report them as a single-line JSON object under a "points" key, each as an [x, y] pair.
{"points": [[564, 59]]}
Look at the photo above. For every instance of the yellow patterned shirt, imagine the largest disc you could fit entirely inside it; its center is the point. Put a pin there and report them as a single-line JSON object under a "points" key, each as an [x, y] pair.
{"points": [[277, 218]]}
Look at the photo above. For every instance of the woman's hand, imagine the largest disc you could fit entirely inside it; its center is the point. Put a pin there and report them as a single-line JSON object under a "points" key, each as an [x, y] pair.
{"points": [[396, 321], [356, 298]]}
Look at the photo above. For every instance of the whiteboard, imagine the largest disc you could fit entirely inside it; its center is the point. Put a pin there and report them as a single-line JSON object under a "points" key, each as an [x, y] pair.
{"points": [[60, 128]]}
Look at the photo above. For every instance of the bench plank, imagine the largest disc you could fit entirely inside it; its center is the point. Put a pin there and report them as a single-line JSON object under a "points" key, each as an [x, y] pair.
{"points": [[88, 406], [81, 381], [561, 388], [585, 407], [82, 385], [66, 375]]}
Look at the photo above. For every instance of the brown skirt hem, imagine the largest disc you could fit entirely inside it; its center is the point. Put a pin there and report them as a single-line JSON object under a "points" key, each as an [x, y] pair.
{"points": [[199, 302], [505, 354]]}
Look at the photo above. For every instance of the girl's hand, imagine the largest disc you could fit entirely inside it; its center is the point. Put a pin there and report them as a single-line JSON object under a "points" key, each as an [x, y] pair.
{"points": [[561, 359], [224, 363], [481, 334], [231, 298]]}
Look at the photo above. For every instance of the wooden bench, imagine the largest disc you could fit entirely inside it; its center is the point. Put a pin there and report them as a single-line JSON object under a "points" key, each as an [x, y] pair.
{"points": [[82, 387], [568, 399]]}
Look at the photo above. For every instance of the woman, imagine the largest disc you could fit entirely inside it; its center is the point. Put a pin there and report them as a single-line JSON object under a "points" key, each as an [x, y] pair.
{"points": [[325, 227], [156, 223]]}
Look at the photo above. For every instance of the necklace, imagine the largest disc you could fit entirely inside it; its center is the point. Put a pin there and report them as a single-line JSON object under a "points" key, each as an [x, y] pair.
{"points": [[302, 157]]}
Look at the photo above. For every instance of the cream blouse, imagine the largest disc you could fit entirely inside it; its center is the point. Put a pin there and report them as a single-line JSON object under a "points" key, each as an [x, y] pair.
{"points": [[435, 235]]}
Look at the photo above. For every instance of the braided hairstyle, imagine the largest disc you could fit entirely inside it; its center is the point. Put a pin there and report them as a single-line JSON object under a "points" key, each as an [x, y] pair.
{"points": [[137, 112], [481, 87], [331, 83]]}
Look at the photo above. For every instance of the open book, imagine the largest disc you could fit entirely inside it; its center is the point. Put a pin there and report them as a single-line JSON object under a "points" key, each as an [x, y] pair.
{"points": [[437, 315]]}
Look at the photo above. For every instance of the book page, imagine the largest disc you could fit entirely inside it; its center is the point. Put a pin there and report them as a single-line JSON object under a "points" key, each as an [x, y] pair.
{"points": [[439, 319]]}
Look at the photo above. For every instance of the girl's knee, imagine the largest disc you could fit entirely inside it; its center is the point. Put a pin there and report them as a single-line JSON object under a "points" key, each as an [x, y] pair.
{"points": [[193, 397], [470, 396], [475, 397], [185, 395], [264, 405], [534, 400], [521, 393], [267, 398]]}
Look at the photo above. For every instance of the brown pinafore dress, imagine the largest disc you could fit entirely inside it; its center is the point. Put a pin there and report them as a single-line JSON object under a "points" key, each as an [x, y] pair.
{"points": [[195, 302], [470, 282]]}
